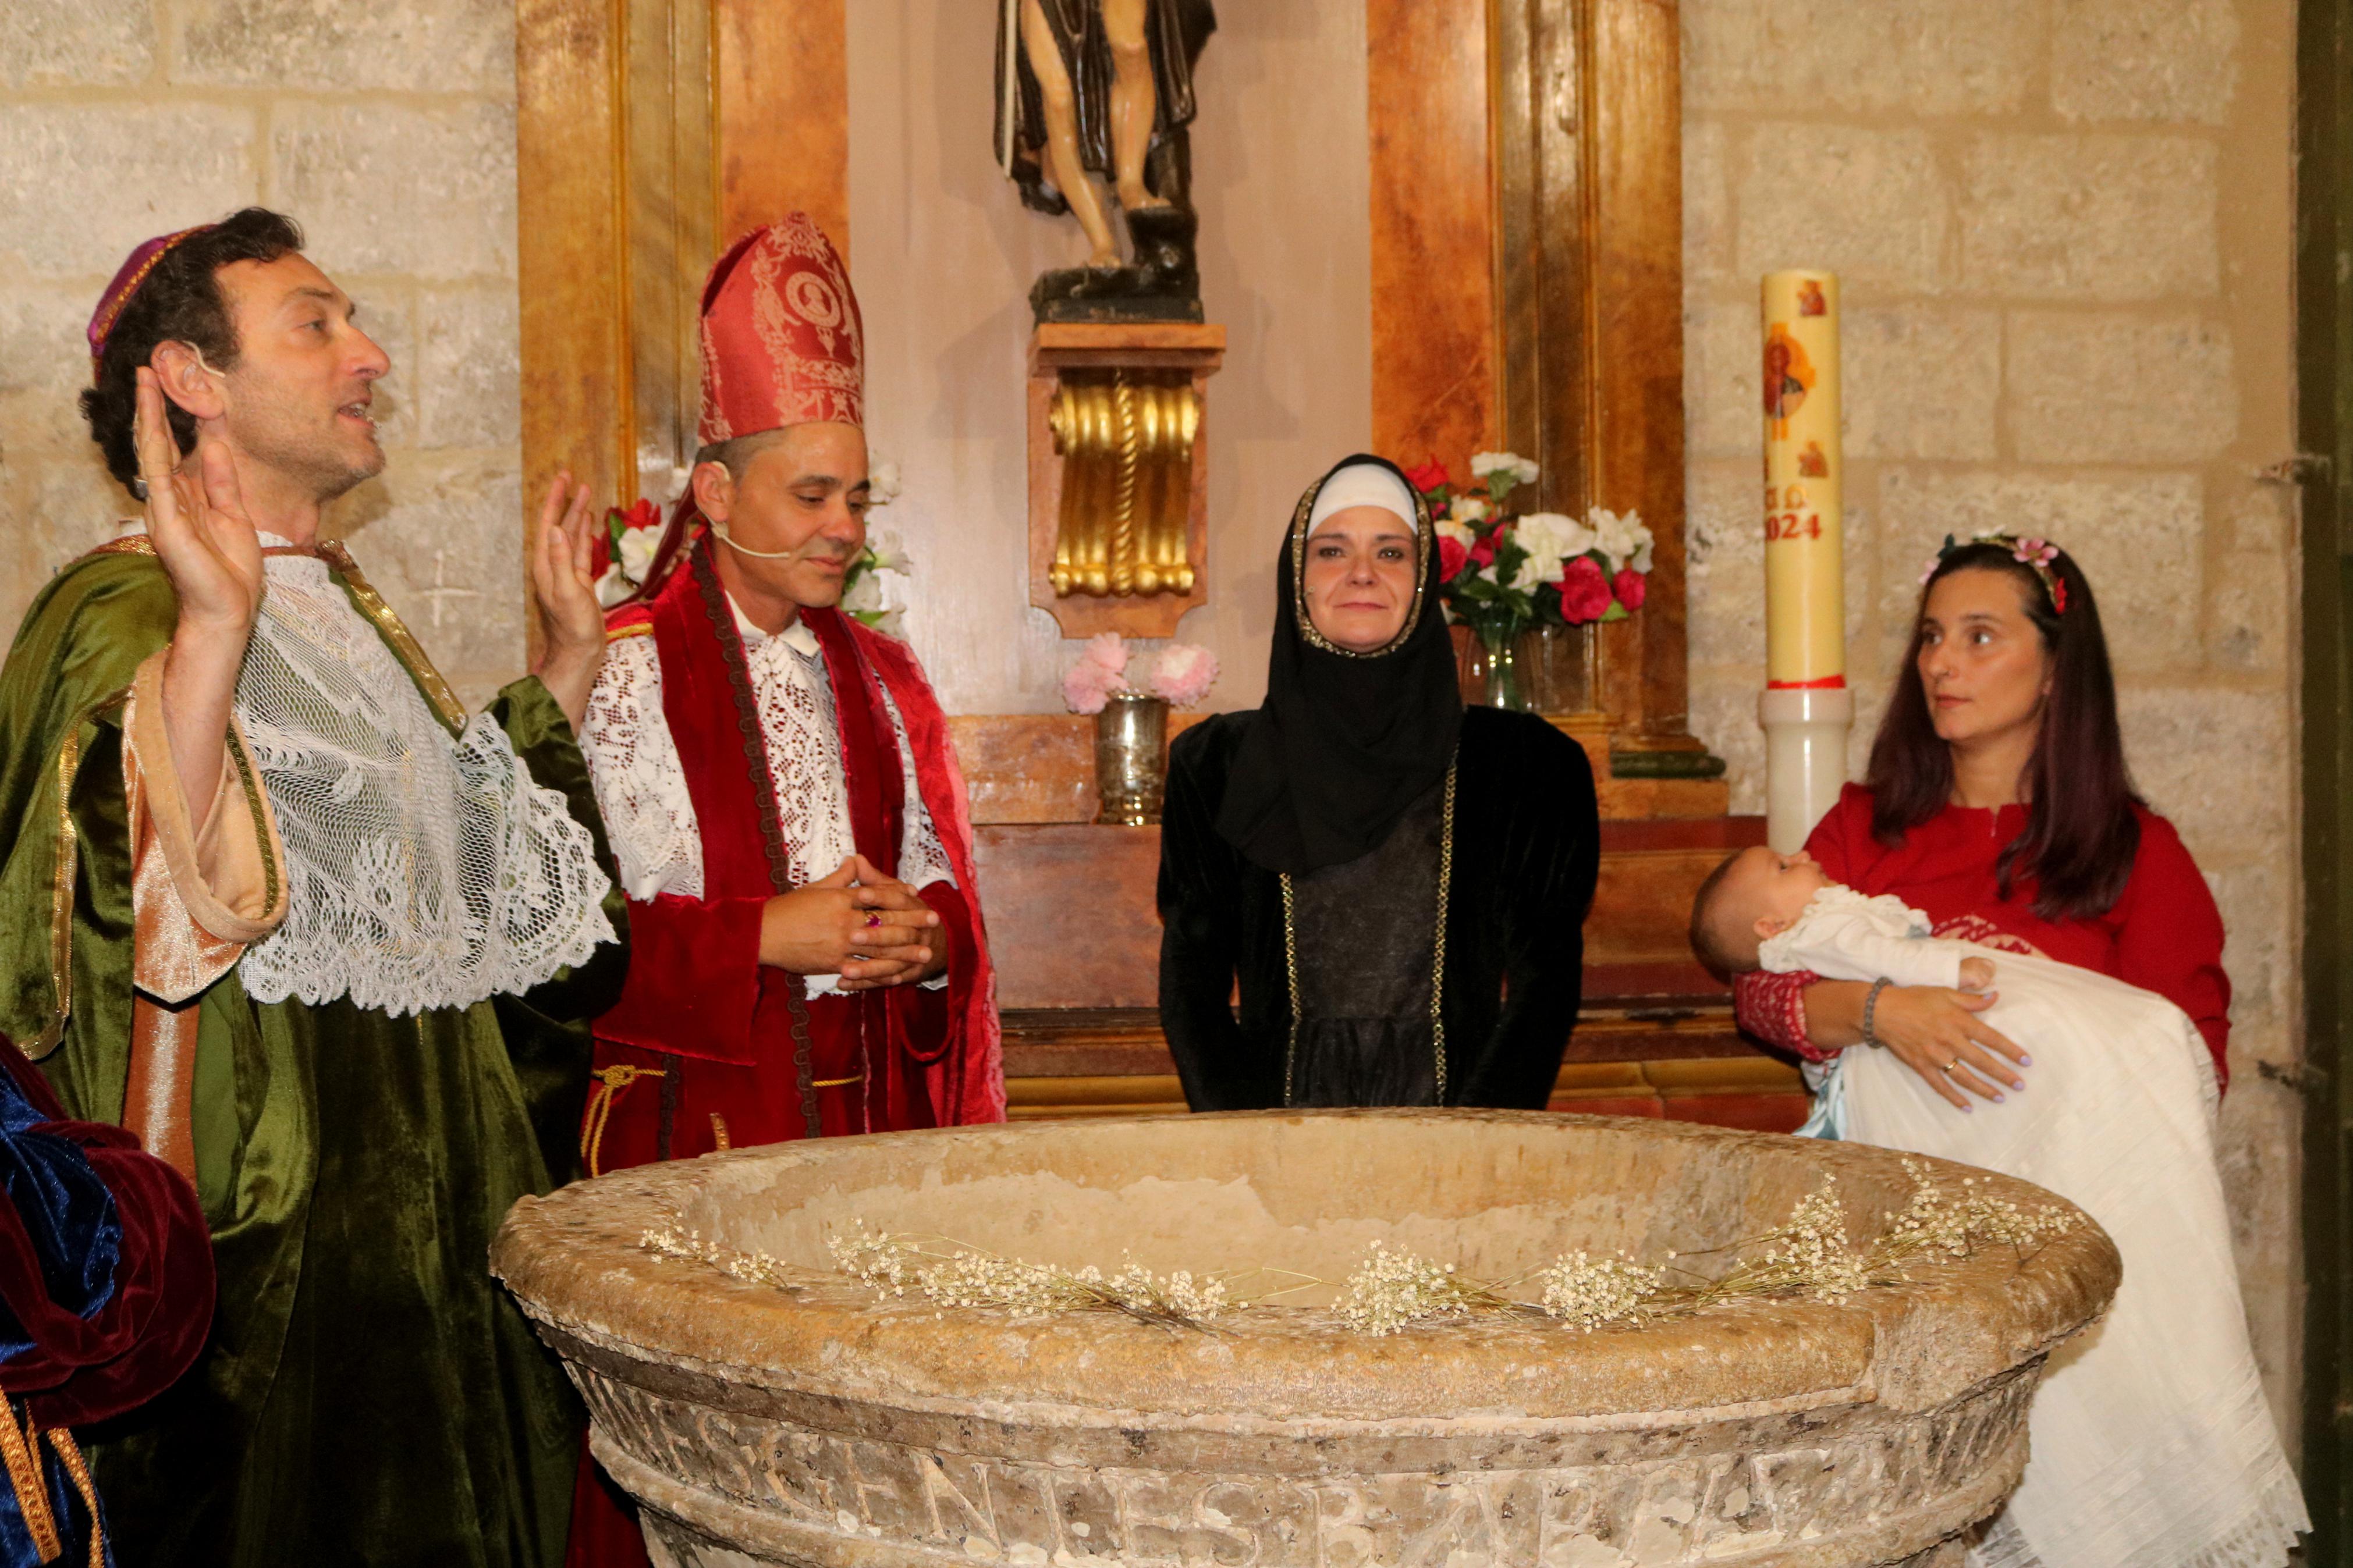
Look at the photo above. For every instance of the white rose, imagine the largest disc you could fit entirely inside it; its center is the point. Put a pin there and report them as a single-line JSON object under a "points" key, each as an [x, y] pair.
{"points": [[1449, 528], [1622, 538], [1485, 463], [865, 594], [612, 588], [882, 484], [1469, 509], [1553, 537], [636, 552]]}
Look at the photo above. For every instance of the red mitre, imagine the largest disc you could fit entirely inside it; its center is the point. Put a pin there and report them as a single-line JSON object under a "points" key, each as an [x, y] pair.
{"points": [[782, 342]]}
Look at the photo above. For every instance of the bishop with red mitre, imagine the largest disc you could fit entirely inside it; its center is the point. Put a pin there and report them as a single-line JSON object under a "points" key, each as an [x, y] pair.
{"points": [[778, 786], [776, 777]]}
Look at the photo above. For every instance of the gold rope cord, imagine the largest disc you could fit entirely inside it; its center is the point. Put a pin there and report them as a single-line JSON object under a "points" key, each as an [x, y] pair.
{"points": [[1438, 960], [1126, 440], [609, 1083]]}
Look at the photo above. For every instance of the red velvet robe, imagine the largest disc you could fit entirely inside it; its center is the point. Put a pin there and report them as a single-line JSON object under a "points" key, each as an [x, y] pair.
{"points": [[743, 1056]]}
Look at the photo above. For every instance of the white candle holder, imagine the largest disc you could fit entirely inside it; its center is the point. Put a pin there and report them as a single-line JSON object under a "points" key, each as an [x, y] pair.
{"points": [[1805, 758]]}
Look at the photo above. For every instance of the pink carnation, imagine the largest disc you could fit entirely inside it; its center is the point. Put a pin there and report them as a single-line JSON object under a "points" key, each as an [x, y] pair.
{"points": [[1584, 591], [1089, 685], [1183, 673], [1105, 650], [1630, 586]]}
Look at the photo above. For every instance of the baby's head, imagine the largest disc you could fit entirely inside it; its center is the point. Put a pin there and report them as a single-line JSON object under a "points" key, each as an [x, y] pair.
{"points": [[1754, 894]]}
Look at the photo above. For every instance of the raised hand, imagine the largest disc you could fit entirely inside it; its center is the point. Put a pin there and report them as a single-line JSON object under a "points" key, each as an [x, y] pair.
{"points": [[563, 593], [205, 540], [198, 522]]}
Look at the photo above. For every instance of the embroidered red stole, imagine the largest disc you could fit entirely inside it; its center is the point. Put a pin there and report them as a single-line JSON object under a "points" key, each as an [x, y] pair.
{"points": [[927, 1057]]}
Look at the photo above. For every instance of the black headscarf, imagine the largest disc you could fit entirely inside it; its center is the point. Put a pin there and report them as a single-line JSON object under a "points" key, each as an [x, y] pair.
{"points": [[1345, 741]]}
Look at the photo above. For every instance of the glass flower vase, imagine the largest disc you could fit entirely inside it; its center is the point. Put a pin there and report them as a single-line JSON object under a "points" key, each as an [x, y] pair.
{"points": [[1499, 683], [1560, 666]]}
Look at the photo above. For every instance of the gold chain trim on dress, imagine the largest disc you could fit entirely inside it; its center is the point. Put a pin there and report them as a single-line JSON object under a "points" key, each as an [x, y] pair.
{"points": [[21, 1448], [1438, 962], [69, 1456]]}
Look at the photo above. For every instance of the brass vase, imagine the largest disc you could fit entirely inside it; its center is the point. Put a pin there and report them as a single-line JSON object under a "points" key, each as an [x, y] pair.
{"points": [[1130, 760]]}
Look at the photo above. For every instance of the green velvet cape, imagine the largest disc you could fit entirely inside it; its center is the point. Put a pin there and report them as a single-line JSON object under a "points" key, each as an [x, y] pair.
{"points": [[369, 1395]]}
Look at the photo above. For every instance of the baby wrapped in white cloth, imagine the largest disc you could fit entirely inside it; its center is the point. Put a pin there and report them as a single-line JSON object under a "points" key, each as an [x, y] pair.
{"points": [[2152, 1447]]}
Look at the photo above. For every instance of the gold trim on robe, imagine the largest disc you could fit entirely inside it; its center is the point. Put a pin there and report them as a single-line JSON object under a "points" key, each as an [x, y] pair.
{"points": [[200, 892]]}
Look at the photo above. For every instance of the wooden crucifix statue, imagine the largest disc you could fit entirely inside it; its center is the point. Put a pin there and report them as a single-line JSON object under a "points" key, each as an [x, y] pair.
{"points": [[1105, 86]]}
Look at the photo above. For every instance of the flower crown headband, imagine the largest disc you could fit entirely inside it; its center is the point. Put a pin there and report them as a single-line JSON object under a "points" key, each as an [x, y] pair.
{"points": [[2037, 555]]}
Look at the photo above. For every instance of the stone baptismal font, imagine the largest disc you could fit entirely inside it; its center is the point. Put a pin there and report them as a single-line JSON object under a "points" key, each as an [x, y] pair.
{"points": [[781, 1411]]}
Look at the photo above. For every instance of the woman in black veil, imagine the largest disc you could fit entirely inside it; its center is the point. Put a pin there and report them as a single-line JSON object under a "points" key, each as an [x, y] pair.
{"points": [[1397, 885]]}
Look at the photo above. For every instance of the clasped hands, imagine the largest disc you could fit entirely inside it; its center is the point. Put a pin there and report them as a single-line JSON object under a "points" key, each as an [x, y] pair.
{"points": [[861, 923]]}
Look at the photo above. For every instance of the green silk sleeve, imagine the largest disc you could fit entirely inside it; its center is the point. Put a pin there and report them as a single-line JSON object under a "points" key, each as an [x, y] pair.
{"points": [[65, 852], [548, 1028]]}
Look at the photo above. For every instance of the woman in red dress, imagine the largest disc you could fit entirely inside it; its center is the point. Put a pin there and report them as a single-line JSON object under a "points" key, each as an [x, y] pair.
{"points": [[1997, 802]]}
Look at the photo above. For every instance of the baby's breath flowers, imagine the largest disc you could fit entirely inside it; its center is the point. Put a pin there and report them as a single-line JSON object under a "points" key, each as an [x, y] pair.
{"points": [[1591, 1292], [1392, 1290], [1809, 1256], [967, 1277]]}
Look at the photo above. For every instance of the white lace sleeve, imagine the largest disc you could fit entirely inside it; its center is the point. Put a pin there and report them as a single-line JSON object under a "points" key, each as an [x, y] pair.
{"points": [[923, 860], [640, 783]]}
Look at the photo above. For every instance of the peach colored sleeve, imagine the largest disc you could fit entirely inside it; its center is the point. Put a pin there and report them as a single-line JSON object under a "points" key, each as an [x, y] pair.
{"points": [[201, 887]]}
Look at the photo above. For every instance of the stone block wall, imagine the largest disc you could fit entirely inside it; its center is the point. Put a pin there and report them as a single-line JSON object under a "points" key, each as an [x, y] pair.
{"points": [[2062, 230], [389, 132]]}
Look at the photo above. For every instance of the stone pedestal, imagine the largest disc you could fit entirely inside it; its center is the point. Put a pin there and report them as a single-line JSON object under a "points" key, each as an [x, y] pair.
{"points": [[818, 1423]]}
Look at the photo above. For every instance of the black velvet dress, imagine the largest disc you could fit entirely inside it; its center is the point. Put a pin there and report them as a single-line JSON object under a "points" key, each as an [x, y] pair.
{"points": [[1525, 850]]}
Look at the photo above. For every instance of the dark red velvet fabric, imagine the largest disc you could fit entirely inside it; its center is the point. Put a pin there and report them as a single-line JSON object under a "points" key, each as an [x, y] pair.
{"points": [[150, 1330]]}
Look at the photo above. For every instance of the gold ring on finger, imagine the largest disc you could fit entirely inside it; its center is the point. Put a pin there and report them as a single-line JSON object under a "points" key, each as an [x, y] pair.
{"points": [[1951, 1065]]}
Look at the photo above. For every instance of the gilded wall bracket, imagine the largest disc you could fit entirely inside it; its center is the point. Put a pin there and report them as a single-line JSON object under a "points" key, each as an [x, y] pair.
{"points": [[1118, 473]]}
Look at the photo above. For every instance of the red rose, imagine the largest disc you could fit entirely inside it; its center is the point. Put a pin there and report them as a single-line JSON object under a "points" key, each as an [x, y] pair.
{"points": [[1429, 476], [1482, 550], [1630, 585], [644, 514], [1584, 592], [1452, 558]]}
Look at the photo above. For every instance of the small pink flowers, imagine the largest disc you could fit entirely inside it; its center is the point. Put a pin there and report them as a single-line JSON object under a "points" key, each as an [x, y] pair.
{"points": [[1184, 673], [1181, 675], [2035, 553]]}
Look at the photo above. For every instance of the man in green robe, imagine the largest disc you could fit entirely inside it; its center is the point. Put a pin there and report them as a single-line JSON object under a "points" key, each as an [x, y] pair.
{"points": [[281, 906]]}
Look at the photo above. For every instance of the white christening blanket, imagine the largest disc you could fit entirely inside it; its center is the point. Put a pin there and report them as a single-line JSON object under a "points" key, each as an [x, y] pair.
{"points": [[2152, 1447]]}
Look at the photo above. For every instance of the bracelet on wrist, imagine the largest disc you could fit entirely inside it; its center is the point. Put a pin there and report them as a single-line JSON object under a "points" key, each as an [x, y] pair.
{"points": [[1871, 1007]]}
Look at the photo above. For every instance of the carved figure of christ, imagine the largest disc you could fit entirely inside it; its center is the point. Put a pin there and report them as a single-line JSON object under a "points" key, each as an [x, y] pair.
{"points": [[1133, 102]]}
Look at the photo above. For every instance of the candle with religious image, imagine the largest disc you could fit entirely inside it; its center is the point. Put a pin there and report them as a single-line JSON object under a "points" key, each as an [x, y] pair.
{"points": [[1806, 709]]}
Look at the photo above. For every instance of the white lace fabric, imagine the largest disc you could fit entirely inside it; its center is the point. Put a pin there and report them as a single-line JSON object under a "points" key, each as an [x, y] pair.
{"points": [[423, 871], [641, 785]]}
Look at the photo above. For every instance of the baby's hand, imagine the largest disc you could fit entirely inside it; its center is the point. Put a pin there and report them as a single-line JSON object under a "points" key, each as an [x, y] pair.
{"points": [[1976, 973]]}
